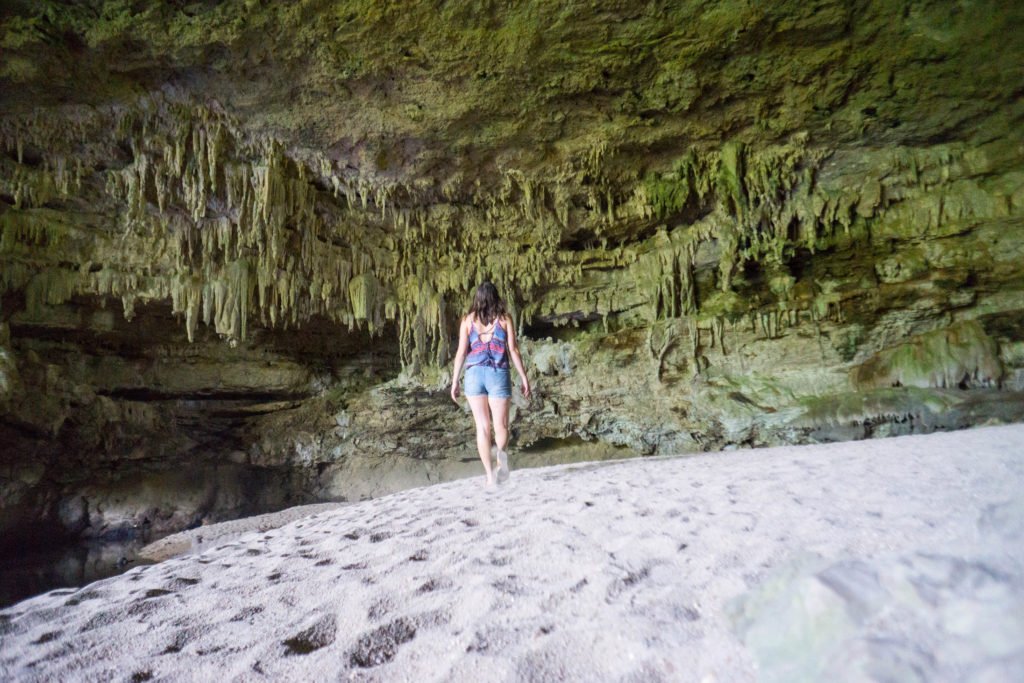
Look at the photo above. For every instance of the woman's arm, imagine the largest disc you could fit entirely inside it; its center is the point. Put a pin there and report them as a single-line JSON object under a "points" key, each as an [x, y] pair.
{"points": [[517, 360], [460, 357]]}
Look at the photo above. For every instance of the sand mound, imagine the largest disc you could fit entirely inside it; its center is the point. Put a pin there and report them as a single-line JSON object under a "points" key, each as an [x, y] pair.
{"points": [[204, 537], [898, 559]]}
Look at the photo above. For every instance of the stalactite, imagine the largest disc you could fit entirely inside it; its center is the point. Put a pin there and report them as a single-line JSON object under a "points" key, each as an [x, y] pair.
{"points": [[50, 287], [240, 227]]}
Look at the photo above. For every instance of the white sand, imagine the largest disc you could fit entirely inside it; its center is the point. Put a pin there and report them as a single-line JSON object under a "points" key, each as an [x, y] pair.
{"points": [[203, 537], [898, 559]]}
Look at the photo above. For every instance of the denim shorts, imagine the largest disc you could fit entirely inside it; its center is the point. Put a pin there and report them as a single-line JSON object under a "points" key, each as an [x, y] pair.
{"points": [[483, 380]]}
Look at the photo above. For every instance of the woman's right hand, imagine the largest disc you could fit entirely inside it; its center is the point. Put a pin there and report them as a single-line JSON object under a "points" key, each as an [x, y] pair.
{"points": [[455, 392]]}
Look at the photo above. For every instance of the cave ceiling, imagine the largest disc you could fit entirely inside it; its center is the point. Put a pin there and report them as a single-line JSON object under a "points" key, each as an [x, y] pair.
{"points": [[267, 163]]}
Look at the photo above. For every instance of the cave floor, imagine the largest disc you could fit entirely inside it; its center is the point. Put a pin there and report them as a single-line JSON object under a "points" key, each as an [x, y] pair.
{"points": [[887, 559]]}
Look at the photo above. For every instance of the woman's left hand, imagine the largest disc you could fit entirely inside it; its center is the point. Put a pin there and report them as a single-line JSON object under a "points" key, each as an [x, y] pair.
{"points": [[525, 386], [455, 392]]}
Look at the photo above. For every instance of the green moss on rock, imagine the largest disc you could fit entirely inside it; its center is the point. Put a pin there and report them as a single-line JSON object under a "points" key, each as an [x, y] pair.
{"points": [[961, 355]]}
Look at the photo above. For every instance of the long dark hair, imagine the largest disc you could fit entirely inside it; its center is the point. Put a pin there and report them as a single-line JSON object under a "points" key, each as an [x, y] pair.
{"points": [[487, 305]]}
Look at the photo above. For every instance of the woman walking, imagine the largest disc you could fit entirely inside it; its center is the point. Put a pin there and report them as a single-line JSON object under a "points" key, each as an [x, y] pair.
{"points": [[487, 341]]}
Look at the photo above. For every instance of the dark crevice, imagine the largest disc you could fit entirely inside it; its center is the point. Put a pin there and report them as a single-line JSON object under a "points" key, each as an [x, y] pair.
{"points": [[561, 326], [147, 394]]}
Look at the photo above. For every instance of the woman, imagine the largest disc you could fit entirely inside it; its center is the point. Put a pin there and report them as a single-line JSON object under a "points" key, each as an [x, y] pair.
{"points": [[487, 340]]}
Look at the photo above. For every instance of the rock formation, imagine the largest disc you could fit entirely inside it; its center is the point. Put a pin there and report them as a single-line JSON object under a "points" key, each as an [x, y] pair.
{"points": [[236, 237]]}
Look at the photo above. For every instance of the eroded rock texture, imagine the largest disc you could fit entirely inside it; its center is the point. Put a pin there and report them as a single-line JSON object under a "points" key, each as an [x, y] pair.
{"points": [[237, 237]]}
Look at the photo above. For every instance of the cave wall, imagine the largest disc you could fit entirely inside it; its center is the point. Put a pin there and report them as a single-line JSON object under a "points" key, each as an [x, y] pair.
{"points": [[236, 238]]}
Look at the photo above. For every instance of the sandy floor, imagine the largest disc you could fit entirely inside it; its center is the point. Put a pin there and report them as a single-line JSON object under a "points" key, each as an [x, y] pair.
{"points": [[898, 559], [202, 538]]}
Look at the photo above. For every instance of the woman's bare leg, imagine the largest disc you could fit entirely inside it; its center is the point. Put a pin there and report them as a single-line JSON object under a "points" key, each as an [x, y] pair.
{"points": [[499, 418], [483, 432]]}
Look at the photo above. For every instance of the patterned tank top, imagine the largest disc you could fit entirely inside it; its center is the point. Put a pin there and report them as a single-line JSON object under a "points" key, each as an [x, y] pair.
{"points": [[492, 353]]}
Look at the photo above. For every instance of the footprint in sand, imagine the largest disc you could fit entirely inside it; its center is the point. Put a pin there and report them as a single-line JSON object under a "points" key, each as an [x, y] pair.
{"points": [[380, 645], [318, 635]]}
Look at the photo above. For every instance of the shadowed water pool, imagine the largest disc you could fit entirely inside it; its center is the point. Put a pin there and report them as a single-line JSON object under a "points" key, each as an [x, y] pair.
{"points": [[27, 573]]}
